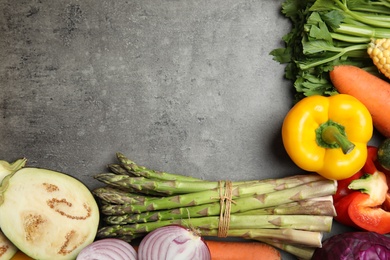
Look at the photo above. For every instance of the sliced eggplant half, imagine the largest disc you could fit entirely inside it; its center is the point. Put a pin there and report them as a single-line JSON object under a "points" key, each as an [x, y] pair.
{"points": [[47, 214]]}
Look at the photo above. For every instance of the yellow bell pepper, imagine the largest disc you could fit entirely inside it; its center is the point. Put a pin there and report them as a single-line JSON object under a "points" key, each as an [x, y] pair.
{"points": [[328, 135]]}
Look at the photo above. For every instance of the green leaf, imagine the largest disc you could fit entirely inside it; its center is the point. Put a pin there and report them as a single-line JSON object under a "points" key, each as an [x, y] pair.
{"points": [[296, 9], [321, 32], [317, 28], [323, 5], [318, 46], [281, 55], [333, 18], [310, 85], [291, 71]]}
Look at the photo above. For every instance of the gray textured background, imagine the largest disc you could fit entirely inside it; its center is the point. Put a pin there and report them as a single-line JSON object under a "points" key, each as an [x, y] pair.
{"points": [[182, 86]]}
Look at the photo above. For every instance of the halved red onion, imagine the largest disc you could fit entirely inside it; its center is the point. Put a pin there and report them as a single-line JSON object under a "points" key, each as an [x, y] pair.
{"points": [[108, 249], [173, 243]]}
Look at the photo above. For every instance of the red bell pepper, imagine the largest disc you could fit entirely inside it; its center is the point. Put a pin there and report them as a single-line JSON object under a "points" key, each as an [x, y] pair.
{"points": [[362, 201], [342, 186], [371, 166], [341, 205]]}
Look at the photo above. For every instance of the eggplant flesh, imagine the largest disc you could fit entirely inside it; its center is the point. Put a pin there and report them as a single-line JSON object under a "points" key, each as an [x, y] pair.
{"points": [[7, 249], [47, 214]]}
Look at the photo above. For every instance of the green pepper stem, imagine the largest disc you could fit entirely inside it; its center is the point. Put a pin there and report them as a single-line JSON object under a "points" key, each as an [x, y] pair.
{"points": [[332, 135]]}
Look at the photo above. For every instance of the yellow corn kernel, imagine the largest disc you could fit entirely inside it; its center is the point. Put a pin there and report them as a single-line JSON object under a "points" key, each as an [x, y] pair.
{"points": [[379, 52]]}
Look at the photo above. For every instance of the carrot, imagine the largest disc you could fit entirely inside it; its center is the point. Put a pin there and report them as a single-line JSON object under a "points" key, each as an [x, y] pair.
{"points": [[372, 91], [233, 250], [20, 256]]}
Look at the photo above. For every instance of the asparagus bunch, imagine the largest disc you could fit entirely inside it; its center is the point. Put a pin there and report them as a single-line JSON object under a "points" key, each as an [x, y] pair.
{"points": [[289, 213]]}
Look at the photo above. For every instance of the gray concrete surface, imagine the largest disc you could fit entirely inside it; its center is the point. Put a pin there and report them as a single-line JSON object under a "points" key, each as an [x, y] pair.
{"points": [[182, 86]]}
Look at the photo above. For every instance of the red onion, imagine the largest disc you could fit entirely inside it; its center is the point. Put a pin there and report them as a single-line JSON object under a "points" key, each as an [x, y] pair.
{"points": [[108, 249], [173, 243]]}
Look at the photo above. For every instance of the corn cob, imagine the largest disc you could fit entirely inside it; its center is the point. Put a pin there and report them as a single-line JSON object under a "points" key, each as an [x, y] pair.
{"points": [[379, 52]]}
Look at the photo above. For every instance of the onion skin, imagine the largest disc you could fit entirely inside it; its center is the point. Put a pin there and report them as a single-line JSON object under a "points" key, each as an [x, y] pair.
{"points": [[173, 242], [108, 249]]}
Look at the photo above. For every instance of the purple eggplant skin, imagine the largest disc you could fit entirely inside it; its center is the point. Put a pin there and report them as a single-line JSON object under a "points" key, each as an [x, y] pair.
{"points": [[354, 246]]}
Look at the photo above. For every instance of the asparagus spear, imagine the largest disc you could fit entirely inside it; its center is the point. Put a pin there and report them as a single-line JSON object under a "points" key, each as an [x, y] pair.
{"points": [[305, 207], [302, 252], [301, 222], [118, 169], [167, 187], [115, 196], [285, 235], [142, 171], [117, 180], [181, 187], [256, 201]]}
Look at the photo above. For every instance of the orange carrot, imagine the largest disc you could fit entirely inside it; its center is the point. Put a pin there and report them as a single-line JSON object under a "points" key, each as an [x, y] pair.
{"points": [[234, 250], [372, 91], [21, 256]]}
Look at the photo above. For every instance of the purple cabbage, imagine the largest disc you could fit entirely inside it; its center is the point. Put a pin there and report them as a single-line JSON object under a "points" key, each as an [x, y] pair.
{"points": [[355, 246]]}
